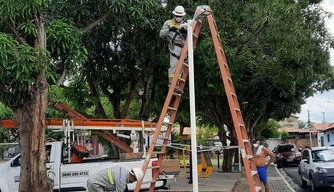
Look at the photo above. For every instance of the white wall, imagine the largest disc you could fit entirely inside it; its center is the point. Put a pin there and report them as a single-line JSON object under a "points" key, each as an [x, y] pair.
{"points": [[272, 143]]}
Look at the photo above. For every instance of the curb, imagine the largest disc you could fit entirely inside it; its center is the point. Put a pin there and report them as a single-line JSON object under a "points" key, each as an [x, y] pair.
{"points": [[285, 179], [290, 180], [238, 184]]}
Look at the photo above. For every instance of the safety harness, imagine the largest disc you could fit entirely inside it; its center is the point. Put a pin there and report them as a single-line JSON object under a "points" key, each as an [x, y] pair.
{"points": [[111, 179], [172, 42]]}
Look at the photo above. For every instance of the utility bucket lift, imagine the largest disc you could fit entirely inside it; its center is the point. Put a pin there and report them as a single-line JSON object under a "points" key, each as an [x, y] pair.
{"points": [[243, 140]]}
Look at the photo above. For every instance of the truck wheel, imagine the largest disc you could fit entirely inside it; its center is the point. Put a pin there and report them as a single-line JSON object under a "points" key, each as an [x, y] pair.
{"points": [[163, 185], [313, 187]]}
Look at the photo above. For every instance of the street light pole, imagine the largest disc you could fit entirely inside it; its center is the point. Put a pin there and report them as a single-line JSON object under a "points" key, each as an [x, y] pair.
{"points": [[192, 106], [309, 127]]}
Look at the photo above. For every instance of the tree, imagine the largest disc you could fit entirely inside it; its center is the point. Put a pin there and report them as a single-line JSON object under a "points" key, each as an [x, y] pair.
{"points": [[301, 124], [31, 59], [269, 130], [284, 136], [268, 48]]}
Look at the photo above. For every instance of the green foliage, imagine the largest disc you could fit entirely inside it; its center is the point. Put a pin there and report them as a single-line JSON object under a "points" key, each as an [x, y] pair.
{"points": [[301, 124], [284, 135], [278, 56], [20, 66], [271, 130], [5, 112], [64, 43], [22, 59], [204, 133]]}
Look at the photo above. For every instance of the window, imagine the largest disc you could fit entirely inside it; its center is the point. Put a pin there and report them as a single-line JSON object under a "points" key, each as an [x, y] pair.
{"points": [[326, 155], [328, 138], [306, 155], [48, 153]]}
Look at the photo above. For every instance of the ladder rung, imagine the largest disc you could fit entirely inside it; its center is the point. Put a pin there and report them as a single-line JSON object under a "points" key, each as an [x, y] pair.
{"points": [[245, 140], [195, 35], [186, 64], [176, 94], [258, 188], [163, 138], [182, 79], [229, 79], [158, 152], [168, 123], [254, 172], [233, 94], [171, 108], [241, 125], [249, 156], [237, 109], [153, 167]]}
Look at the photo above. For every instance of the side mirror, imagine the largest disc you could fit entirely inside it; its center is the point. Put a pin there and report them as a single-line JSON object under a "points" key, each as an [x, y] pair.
{"points": [[305, 161]]}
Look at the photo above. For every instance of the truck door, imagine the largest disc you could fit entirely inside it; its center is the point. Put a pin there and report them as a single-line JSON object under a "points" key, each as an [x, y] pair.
{"points": [[14, 174], [305, 164], [50, 162]]}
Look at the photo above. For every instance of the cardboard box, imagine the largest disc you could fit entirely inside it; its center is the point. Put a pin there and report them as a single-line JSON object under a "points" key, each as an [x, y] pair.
{"points": [[170, 166]]}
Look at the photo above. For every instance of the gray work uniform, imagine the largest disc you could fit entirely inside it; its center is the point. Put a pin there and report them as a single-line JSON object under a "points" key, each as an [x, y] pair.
{"points": [[102, 181], [176, 41]]}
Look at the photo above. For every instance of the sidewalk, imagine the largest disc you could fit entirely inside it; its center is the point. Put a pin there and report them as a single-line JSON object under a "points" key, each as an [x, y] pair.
{"points": [[217, 181], [276, 181], [230, 182]]}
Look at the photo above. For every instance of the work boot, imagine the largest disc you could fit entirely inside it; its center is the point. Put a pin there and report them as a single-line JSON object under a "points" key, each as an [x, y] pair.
{"points": [[178, 90]]}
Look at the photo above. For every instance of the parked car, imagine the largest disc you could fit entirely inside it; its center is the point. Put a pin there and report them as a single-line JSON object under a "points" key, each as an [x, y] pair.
{"points": [[317, 168], [286, 154]]}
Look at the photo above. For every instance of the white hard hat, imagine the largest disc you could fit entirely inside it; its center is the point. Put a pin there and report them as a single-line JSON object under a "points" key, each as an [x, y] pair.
{"points": [[179, 11], [138, 173]]}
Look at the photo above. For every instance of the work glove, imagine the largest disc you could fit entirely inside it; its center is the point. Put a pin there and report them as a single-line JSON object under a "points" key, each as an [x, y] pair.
{"points": [[173, 29]]}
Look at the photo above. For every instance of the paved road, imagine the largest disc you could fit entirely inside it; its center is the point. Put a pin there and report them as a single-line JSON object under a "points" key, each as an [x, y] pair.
{"points": [[292, 171]]}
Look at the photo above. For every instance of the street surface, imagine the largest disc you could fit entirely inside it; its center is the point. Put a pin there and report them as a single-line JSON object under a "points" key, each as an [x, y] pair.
{"points": [[292, 172]]}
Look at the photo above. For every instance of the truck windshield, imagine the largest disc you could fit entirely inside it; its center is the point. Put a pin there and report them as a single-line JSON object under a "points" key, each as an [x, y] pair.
{"points": [[323, 155]]}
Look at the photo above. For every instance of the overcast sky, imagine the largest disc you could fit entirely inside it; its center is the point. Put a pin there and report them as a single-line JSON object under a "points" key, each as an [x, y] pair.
{"points": [[324, 102]]}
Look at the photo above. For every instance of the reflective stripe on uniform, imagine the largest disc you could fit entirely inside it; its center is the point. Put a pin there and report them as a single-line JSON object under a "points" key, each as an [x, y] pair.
{"points": [[172, 75], [173, 24], [111, 179]]}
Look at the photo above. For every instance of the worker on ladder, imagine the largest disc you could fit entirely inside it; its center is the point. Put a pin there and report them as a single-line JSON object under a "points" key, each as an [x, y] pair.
{"points": [[175, 30], [113, 179]]}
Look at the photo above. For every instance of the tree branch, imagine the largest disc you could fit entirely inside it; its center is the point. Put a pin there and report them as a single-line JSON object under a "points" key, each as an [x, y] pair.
{"points": [[257, 32], [96, 22], [16, 32], [264, 124], [62, 77]]}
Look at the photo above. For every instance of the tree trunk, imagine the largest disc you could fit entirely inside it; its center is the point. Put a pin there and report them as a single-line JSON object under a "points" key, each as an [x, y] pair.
{"points": [[30, 121]]}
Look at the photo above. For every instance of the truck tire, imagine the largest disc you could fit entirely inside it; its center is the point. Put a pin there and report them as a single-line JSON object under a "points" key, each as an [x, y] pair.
{"points": [[313, 187], [163, 185]]}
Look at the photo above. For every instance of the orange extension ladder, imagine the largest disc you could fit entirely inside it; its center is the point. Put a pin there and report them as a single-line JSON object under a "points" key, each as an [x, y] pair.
{"points": [[243, 140]]}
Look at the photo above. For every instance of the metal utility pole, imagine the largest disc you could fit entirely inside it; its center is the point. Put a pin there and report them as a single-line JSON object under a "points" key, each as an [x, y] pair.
{"points": [[309, 127]]}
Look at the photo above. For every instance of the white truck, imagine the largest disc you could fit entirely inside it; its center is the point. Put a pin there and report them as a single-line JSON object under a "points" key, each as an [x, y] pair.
{"points": [[74, 176]]}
